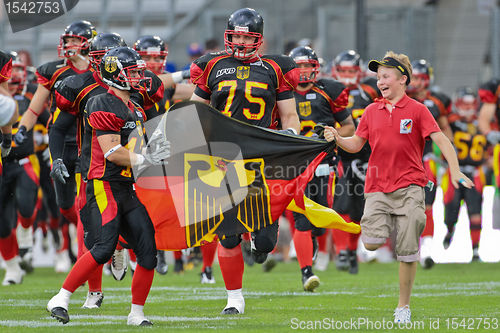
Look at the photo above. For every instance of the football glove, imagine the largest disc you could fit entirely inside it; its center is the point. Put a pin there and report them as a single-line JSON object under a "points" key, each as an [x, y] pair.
{"points": [[157, 149], [21, 135], [319, 129], [59, 171]]}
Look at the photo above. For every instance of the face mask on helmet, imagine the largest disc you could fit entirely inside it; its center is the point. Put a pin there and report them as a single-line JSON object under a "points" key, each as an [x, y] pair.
{"points": [[241, 44], [309, 69], [347, 74], [466, 107], [76, 39], [153, 51], [123, 69]]}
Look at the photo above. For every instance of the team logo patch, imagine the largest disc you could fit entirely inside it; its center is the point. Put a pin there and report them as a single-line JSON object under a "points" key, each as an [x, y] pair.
{"points": [[405, 126], [242, 72], [305, 108], [110, 64]]}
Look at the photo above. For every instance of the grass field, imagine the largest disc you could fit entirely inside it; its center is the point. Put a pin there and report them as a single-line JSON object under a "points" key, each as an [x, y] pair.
{"points": [[457, 297]]}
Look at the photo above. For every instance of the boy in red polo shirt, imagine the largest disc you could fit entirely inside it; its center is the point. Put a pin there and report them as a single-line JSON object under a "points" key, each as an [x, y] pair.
{"points": [[396, 128]]}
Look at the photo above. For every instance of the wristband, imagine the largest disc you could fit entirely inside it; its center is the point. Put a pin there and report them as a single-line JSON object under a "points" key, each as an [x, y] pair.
{"points": [[112, 150], [6, 139]]}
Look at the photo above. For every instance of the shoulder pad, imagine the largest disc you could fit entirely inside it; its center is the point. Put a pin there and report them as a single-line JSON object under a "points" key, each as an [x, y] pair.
{"points": [[284, 62]]}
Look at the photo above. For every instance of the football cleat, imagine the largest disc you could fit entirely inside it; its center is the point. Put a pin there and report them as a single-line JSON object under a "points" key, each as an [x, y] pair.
{"points": [[94, 300], [234, 306], [26, 263], [178, 266], [161, 266], [58, 308], [135, 319], [342, 262], [62, 262], [13, 272], [353, 261], [119, 264], [206, 276], [475, 253], [309, 280]]}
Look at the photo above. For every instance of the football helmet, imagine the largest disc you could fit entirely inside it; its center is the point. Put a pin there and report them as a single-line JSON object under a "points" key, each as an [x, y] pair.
{"points": [[466, 103], [123, 68], [422, 76], [153, 51], [82, 30], [102, 43], [305, 55], [346, 68], [19, 74], [248, 23]]}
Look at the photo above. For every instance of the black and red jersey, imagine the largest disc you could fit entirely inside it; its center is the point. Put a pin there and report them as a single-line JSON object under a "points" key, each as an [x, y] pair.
{"points": [[51, 74], [324, 103], [471, 145], [440, 106], [5, 67], [162, 106], [108, 114], [489, 92], [23, 101], [359, 98], [74, 92], [247, 91]]}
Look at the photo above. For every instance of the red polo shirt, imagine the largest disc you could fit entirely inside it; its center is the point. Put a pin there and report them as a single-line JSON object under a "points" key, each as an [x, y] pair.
{"points": [[397, 140]]}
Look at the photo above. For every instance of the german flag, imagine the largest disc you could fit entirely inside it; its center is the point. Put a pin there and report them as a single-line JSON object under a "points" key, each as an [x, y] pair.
{"points": [[225, 177]]}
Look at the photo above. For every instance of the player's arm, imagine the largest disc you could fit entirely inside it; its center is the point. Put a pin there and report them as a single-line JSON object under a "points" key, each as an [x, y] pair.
{"points": [[449, 153], [115, 152], [35, 108], [171, 79], [58, 132], [486, 115], [183, 91], [197, 98], [288, 114]]}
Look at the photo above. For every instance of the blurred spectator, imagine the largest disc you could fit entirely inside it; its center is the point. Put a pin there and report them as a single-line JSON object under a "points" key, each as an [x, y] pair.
{"points": [[194, 51], [212, 45]]}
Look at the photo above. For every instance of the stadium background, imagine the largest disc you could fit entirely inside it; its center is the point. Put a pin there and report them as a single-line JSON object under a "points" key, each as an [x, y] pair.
{"points": [[461, 39]]}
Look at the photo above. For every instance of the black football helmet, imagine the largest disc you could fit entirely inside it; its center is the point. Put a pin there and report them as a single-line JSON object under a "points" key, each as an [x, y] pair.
{"points": [[83, 30], [123, 68], [346, 68], [466, 103], [244, 22], [422, 70], [305, 55], [152, 46], [102, 43]]}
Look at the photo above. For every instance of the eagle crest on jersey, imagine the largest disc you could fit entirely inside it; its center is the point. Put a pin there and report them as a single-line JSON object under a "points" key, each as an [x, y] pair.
{"points": [[305, 109], [110, 64], [219, 189], [242, 72]]}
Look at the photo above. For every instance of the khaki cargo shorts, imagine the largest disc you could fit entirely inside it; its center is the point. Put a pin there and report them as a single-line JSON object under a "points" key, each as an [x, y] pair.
{"points": [[403, 209]]}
